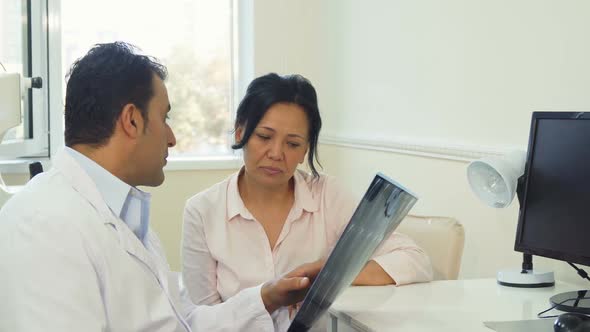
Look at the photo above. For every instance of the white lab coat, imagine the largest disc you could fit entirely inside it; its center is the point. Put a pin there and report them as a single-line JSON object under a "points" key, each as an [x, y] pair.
{"points": [[68, 264]]}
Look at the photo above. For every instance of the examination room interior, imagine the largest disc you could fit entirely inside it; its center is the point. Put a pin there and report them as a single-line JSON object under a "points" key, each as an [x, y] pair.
{"points": [[413, 89]]}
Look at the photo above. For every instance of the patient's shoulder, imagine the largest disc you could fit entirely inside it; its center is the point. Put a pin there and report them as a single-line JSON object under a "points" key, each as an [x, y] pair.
{"points": [[211, 197], [319, 186]]}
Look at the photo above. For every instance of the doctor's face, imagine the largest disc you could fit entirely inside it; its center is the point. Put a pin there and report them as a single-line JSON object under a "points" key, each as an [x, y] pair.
{"points": [[152, 146]]}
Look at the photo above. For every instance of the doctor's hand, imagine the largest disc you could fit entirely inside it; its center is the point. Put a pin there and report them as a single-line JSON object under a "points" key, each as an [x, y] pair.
{"points": [[290, 288]]}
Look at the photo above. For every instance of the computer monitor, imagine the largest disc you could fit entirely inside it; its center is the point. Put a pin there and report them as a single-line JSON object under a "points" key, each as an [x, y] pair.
{"points": [[554, 218], [380, 211]]}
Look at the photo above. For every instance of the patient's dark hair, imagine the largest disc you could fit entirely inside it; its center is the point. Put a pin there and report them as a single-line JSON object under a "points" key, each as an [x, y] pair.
{"points": [[270, 89], [100, 84]]}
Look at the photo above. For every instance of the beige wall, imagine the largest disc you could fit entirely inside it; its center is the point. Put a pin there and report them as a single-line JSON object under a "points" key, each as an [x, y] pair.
{"points": [[168, 204], [15, 179]]}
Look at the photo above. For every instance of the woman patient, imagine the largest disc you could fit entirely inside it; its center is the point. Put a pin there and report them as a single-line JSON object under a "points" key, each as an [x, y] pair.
{"points": [[270, 217]]}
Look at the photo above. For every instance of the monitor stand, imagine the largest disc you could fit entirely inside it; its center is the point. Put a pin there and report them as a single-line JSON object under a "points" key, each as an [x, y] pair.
{"points": [[526, 277], [576, 301]]}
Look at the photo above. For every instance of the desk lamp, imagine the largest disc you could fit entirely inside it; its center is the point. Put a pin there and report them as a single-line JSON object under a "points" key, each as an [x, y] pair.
{"points": [[495, 181]]}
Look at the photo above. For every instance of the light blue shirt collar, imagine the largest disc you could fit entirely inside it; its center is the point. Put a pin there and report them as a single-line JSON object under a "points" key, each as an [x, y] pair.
{"points": [[126, 202]]}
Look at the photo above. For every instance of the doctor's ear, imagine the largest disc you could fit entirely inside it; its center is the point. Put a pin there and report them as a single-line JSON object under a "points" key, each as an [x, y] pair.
{"points": [[129, 120]]}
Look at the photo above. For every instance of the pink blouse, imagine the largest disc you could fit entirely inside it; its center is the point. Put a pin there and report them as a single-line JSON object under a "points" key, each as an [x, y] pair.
{"points": [[224, 248]]}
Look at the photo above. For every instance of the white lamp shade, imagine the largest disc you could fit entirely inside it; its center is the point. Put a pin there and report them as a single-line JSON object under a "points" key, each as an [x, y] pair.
{"points": [[493, 179]]}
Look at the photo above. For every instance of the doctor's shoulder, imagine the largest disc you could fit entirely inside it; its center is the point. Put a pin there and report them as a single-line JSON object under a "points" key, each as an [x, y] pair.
{"points": [[41, 224], [47, 198]]}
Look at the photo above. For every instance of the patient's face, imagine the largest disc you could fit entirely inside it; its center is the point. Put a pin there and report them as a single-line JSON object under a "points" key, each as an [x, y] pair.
{"points": [[277, 145]]}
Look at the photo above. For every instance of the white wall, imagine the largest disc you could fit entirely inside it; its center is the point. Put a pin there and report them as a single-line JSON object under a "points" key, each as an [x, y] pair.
{"points": [[456, 71]]}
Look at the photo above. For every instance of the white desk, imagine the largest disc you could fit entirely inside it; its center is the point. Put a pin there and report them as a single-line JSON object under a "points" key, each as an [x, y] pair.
{"points": [[449, 305]]}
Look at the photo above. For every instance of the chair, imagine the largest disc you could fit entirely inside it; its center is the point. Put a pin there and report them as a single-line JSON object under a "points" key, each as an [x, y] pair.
{"points": [[442, 238]]}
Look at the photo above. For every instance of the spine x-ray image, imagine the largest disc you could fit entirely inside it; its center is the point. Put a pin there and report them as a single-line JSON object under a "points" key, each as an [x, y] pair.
{"points": [[383, 207]]}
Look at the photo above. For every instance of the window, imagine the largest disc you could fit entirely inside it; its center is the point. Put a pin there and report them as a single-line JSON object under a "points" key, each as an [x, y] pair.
{"points": [[22, 51], [196, 39], [13, 52], [193, 38]]}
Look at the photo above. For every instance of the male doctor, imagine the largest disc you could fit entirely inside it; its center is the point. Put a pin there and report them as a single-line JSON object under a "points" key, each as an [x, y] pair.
{"points": [[76, 251]]}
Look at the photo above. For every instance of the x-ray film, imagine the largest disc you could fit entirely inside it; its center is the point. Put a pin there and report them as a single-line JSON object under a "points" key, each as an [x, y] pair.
{"points": [[382, 209]]}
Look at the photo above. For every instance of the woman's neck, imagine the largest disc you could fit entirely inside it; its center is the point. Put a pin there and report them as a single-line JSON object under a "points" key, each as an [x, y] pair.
{"points": [[253, 193]]}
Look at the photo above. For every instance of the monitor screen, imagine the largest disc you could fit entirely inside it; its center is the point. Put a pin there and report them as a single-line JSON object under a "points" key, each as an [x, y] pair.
{"points": [[381, 210], [555, 211]]}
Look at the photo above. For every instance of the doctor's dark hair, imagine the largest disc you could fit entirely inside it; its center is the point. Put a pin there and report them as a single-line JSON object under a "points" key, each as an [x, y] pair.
{"points": [[270, 89], [100, 84]]}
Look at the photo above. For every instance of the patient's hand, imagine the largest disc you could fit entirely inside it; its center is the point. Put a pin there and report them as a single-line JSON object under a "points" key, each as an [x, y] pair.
{"points": [[373, 275], [290, 288]]}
